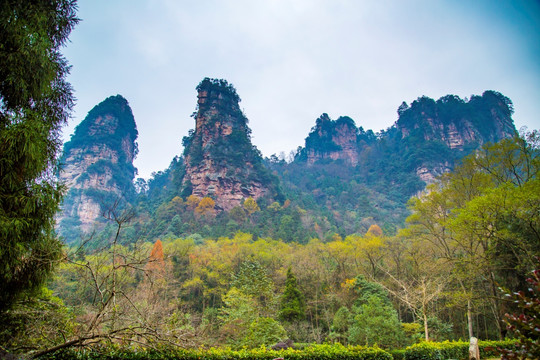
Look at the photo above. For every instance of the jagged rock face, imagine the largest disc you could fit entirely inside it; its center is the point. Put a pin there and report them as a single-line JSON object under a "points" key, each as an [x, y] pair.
{"points": [[459, 123], [429, 175], [220, 161], [335, 140], [98, 164]]}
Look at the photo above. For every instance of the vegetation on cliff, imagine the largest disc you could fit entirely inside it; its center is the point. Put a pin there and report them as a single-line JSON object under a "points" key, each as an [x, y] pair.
{"points": [[97, 166], [220, 149]]}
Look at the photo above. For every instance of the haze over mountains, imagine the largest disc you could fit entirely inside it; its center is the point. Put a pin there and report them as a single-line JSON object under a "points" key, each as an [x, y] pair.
{"points": [[341, 181]]}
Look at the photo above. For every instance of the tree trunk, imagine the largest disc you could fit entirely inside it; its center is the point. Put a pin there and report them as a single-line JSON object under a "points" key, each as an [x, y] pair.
{"points": [[469, 318], [426, 327]]}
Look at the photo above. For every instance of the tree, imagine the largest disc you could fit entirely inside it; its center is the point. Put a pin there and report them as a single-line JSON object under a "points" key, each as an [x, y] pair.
{"points": [[375, 230], [205, 207], [192, 201], [253, 280], [251, 206], [118, 306], [292, 302], [340, 325], [375, 322], [264, 331], [156, 261], [483, 219], [526, 324], [35, 101]]}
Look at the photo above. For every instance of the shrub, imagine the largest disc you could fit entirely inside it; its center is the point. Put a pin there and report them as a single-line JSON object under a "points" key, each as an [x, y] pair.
{"points": [[314, 352], [454, 350]]}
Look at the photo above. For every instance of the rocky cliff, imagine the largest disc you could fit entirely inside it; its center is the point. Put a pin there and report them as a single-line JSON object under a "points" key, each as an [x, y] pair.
{"points": [[97, 166], [220, 160], [428, 137], [456, 122], [333, 139], [450, 128]]}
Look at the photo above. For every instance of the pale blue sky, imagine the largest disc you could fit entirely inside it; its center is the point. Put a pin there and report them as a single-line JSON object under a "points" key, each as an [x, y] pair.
{"points": [[292, 60]]}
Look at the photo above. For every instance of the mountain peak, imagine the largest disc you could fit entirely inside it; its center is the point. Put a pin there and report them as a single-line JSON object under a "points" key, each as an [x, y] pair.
{"points": [[221, 162], [98, 164], [333, 139]]}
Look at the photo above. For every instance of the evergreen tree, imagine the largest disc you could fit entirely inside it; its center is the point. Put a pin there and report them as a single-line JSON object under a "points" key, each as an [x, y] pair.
{"points": [[35, 101], [292, 303]]}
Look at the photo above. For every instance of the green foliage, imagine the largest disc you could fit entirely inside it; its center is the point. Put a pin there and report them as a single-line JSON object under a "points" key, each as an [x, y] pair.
{"points": [[397, 354], [37, 321], [292, 301], [375, 323], [314, 352], [320, 139], [35, 101], [264, 331], [483, 219], [220, 86], [424, 351], [252, 280], [366, 290], [340, 325], [438, 329], [453, 350], [117, 123]]}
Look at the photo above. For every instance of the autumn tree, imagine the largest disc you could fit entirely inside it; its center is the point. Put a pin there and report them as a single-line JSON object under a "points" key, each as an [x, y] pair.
{"points": [[156, 260], [192, 201], [375, 230], [205, 207], [115, 287], [251, 206]]}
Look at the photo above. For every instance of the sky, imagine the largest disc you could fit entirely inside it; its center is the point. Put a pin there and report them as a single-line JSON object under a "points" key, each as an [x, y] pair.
{"points": [[292, 60]]}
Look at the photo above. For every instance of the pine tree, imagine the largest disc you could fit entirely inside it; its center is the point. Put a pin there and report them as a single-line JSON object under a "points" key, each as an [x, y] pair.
{"points": [[292, 302], [35, 101]]}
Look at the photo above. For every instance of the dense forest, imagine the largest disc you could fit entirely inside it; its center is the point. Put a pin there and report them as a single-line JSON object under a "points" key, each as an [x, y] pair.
{"points": [[439, 278]]}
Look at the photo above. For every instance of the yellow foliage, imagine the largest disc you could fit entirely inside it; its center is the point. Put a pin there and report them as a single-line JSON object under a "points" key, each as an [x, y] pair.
{"points": [[206, 206], [275, 206], [251, 206], [348, 284], [336, 237], [192, 201]]}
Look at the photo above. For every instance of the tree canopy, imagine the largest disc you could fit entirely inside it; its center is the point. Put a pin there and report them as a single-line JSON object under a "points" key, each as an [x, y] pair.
{"points": [[35, 101]]}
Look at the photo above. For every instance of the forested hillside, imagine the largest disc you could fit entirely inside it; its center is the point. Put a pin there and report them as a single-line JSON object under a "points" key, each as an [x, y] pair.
{"points": [[438, 278], [342, 181]]}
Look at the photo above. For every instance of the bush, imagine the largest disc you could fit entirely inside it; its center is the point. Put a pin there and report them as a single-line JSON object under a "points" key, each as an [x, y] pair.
{"points": [[423, 351], [454, 350], [398, 354], [314, 352]]}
